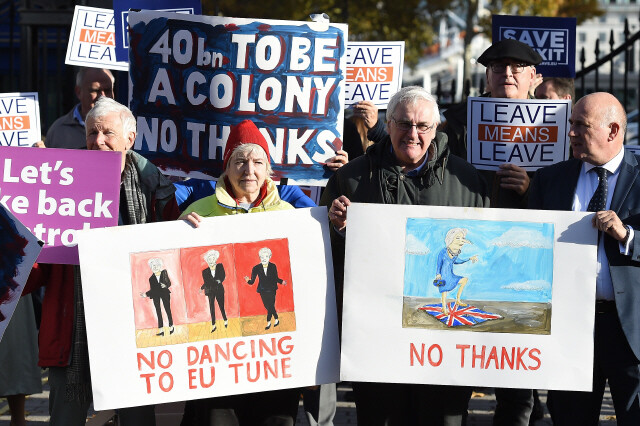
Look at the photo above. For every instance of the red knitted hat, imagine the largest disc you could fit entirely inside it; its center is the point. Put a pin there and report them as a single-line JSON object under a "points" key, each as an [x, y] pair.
{"points": [[245, 132]]}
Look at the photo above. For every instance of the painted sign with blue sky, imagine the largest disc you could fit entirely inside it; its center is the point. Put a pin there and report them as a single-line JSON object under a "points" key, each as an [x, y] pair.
{"points": [[451, 264]]}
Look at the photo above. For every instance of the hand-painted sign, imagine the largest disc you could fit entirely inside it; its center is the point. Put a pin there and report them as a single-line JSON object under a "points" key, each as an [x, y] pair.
{"points": [[92, 40], [374, 71], [241, 304], [443, 314], [528, 133], [19, 119], [553, 38], [19, 249], [195, 76], [121, 12], [55, 192]]}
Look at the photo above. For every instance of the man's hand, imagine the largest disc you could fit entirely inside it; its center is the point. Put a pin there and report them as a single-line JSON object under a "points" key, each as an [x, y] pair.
{"points": [[340, 159], [609, 222], [338, 212], [39, 144], [514, 178], [368, 112], [537, 81]]}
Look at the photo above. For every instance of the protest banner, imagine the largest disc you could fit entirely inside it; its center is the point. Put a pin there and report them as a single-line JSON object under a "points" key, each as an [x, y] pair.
{"points": [[195, 76], [553, 38], [528, 133], [185, 359], [92, 40], [121, 12], [19, 119], [19, 249], [526, 310], [55, 192], [374, 71]]}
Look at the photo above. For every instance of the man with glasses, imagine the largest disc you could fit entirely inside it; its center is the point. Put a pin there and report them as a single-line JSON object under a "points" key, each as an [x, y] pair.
{"points": [[411, 165], [510, 71]]}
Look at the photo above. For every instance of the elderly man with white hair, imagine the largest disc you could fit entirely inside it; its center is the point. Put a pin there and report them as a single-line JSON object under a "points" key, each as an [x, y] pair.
{"points": [[412, 165], [145, 196]]}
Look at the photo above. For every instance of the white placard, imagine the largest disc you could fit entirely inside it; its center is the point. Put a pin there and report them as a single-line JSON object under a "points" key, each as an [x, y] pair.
{"points": [[92, 40], [528, 322], [529, 133], [131, 365], [19, 119], [374, 71]]}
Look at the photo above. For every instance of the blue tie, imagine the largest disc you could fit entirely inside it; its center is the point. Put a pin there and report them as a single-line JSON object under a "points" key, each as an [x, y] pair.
{"points": [[599, 200]]}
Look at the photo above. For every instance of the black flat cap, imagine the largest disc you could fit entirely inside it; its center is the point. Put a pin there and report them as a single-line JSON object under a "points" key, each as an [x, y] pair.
{"points": [[512, 49]]}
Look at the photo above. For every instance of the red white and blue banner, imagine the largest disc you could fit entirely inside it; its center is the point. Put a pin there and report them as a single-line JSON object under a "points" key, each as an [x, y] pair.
{"points": [[196, 76]]}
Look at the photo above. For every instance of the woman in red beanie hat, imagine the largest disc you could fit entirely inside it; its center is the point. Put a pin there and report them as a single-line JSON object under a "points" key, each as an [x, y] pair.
{"points": [[244, 187]]}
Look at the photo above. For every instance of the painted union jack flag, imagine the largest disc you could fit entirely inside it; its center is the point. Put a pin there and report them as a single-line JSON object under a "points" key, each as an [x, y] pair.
{"points": [[467, 315]]}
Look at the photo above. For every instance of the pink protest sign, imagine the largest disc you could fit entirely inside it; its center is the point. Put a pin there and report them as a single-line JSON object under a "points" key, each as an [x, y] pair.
{"points": [[55, 192]]}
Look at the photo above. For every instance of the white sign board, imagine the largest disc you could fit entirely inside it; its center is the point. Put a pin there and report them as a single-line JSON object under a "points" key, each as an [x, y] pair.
{"points": [[525, 313], [374, 71], [92, 40], [529, 133], [19, 119], [150, 311]]}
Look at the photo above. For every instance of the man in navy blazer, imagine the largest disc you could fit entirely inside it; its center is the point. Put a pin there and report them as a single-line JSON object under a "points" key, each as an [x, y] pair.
{"points": [[268, 281], [598, 123]]}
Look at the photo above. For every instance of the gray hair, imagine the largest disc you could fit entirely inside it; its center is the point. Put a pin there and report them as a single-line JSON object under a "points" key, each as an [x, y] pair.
{"points": [[105, 106], [264, 250], [243, 151], [448, 239], [211, 253], [155, 261], [411, 95], [83, 70]]}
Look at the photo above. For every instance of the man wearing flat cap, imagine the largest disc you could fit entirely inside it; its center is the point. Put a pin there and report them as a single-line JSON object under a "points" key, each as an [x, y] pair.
{"points": [[510, 70]]}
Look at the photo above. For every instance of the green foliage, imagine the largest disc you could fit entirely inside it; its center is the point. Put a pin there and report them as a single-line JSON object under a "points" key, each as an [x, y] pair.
{"points": [[580, 9], [408, 20]]}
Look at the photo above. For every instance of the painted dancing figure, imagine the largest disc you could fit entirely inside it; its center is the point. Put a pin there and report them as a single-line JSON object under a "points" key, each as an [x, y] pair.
{"points": [[267, 274]]}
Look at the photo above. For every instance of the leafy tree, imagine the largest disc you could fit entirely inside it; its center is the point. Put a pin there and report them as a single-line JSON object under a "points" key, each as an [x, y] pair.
{"points": [[384, 20]]}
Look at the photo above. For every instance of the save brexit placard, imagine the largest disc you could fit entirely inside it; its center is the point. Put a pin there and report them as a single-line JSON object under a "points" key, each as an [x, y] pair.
{"points": [[528, 133], [92, 40], [121, 12], [196, 76], [553, 38], [374, 71], [19, 119], [226, 325], [442, 313], [56, 192]]}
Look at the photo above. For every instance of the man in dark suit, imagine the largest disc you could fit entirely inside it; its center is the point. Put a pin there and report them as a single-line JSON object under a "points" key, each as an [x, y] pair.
{"points": [[602, 178], [267, 274], [213, 276], [159, 284]]}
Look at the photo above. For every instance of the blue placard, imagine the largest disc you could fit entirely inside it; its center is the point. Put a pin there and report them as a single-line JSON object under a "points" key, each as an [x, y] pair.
{"points": [[553, 38], [194, 77], [121, 12]]}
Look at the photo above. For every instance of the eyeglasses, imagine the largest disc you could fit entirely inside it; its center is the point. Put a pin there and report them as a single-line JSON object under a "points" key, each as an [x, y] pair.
{"points": [[500, 67], [405, 126]]}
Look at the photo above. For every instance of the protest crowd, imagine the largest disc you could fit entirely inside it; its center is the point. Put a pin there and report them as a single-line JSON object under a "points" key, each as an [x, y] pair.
{"points": [[417, 155]]}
